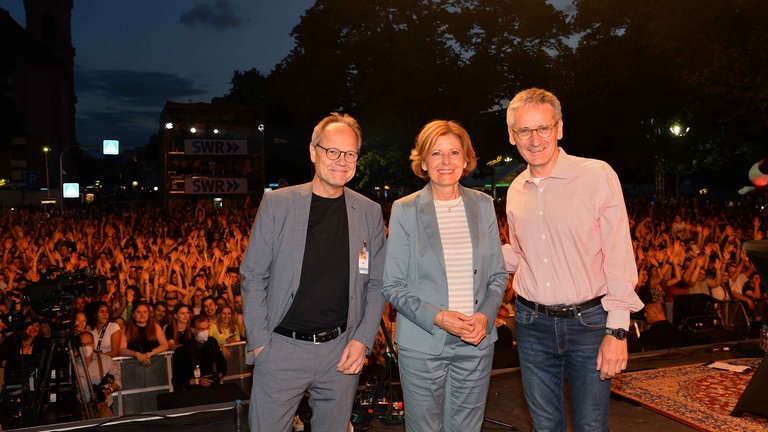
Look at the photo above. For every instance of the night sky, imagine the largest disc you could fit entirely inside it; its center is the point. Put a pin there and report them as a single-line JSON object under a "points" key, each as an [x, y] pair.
{"points": [[133, 56]]}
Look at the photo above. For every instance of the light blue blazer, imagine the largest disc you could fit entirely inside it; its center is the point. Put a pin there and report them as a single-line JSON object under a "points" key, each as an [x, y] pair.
{"points": [[415, 280]]}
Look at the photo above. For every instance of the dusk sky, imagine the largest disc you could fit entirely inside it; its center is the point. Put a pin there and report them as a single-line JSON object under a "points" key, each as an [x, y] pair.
{"points": [[133, 56]]}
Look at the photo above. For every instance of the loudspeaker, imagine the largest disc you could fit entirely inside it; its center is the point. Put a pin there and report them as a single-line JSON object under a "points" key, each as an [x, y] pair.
{"points": [[227, 392], [753, 399]]}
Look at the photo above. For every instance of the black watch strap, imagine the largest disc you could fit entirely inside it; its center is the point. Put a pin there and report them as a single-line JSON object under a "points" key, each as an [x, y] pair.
{"points": [[618, 333]]}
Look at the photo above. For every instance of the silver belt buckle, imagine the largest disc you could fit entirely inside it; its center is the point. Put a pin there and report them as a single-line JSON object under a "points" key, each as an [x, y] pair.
{"points": [[314, 339]]}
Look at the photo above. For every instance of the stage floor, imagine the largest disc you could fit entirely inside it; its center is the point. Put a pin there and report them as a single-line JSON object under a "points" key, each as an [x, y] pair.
{"points": [[506, 404]]}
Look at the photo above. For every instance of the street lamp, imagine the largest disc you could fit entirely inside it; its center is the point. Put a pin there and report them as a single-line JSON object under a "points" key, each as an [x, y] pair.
{"points": [[61, 173], [47, 150], [679, 130]]}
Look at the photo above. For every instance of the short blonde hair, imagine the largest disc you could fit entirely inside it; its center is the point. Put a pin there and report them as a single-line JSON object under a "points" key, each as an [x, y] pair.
{"points": [[534, 96], [426, 139], [334, 117]]}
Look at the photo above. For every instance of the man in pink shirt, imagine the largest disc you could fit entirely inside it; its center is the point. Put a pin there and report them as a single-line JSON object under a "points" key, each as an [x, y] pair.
{"points": [[575, 272]]}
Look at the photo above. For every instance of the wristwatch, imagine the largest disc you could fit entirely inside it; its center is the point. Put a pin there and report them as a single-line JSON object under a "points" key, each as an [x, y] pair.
{"points": [[618, 333]]}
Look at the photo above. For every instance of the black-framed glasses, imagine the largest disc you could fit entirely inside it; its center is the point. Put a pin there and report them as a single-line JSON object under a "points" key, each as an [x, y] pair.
{"points": [[334, 153], [541, 131], [171, 298]]}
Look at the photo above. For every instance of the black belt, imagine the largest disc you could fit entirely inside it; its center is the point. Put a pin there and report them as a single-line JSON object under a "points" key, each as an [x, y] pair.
{"points": [[318, 336], [560, 311]]}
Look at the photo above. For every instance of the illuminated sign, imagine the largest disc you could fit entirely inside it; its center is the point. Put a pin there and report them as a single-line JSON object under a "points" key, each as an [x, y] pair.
{"points": [[71, 190], [203, 186], [111, 147], [494, 162], [215, 147]]}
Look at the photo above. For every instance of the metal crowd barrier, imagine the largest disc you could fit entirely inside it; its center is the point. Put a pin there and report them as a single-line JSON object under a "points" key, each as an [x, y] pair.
{"points": [[142, 384], [734, 314]]}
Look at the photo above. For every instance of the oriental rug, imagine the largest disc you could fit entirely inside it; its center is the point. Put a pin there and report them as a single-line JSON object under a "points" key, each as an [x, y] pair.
{"points": [[696, 395]]}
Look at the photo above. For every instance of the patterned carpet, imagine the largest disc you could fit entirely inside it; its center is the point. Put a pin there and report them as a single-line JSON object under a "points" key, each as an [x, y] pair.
{"points": [[696, 395]]}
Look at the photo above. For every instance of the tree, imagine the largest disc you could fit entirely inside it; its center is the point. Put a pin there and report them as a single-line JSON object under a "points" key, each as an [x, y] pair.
{"points": [[641, 66], [397, 65], [248, 87], [625, 71]]}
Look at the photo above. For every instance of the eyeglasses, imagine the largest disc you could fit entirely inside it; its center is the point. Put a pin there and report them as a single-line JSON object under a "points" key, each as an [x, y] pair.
{"points": [[541, 131], [334, 153], [171, 298]]}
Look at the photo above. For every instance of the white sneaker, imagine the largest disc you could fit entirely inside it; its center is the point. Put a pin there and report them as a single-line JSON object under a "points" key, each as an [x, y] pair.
{"points": [[298, 426]]}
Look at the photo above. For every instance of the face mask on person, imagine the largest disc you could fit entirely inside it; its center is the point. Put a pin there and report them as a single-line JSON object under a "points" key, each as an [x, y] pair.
{"points": [[202, 336], [87, 350]]}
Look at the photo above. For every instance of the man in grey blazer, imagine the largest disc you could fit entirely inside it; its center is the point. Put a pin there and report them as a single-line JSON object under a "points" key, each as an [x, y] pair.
{"points": [[311, 283]]}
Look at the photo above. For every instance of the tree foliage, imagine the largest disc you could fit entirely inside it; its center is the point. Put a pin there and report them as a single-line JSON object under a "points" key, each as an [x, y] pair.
{"points": [[641, 66], [249, 87], [625, 71], [397, 65]]}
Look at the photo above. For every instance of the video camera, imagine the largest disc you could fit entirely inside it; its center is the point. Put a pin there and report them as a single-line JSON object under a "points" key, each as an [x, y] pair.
{"points": [[50, 298]]}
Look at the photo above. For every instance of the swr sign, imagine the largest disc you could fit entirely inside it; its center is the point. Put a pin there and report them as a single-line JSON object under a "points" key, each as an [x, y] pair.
{"points": [[215, 147], [207, 186]]}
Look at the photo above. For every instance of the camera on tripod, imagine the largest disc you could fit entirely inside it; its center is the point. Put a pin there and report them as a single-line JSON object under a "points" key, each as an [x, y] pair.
{"points": [[46, 380], [55, 296]]}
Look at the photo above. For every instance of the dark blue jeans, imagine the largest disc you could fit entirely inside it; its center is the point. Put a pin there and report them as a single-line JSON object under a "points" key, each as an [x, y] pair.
{"points": [[552, 349]]}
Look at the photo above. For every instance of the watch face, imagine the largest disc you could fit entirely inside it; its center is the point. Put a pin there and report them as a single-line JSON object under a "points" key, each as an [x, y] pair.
{"points": [[619, 334]]}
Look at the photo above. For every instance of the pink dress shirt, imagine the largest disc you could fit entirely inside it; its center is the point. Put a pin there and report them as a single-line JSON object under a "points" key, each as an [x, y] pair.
{"points": [[569, 238]]}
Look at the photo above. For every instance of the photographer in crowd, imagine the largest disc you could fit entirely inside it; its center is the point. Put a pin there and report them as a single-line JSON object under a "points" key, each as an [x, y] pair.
{"points": [[103, 373]]}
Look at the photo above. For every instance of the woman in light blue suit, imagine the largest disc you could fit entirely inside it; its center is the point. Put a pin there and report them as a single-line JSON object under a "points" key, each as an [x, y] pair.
{"points": [[444, 273]]}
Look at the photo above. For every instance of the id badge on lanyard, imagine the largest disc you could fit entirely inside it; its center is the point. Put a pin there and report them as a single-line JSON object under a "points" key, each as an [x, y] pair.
{"points": [[362, 259]]}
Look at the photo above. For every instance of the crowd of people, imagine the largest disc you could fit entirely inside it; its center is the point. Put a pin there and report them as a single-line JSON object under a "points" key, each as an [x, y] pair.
{"points": [[164, 258], [696, 248], [177, 263], [132, 280], [149, 281]]}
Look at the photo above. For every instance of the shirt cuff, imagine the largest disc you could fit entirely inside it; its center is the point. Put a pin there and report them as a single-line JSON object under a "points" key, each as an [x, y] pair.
{"points": [[618, 319]]}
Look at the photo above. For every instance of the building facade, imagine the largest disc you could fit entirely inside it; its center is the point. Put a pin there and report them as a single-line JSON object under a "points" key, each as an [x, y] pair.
{"points": [[212, 153], [37, 97]]}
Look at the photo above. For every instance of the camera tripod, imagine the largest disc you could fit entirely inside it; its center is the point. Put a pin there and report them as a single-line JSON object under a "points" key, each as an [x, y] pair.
{"points": [[56, 363]]}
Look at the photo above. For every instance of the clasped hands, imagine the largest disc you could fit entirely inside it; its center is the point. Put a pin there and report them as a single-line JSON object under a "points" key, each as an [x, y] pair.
{"points": [[143, 358], [471, 329]]}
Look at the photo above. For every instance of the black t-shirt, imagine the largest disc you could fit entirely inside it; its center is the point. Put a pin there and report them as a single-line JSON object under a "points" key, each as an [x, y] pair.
{"points": [[322, 299], [183, 337], [747, 288], [141, 343], [206, 355]]}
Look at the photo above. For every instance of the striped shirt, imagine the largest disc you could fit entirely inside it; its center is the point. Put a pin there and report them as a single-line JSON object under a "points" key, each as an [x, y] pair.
{"points": [[457, 253]]}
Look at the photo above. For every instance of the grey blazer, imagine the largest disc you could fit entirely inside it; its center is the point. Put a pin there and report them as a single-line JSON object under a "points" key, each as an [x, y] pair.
{"points": [[271, 268], [415, 276]]}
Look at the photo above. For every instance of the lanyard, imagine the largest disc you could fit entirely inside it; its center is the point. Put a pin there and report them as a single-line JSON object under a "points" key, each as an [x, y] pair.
{"points": [[101, 336]]}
